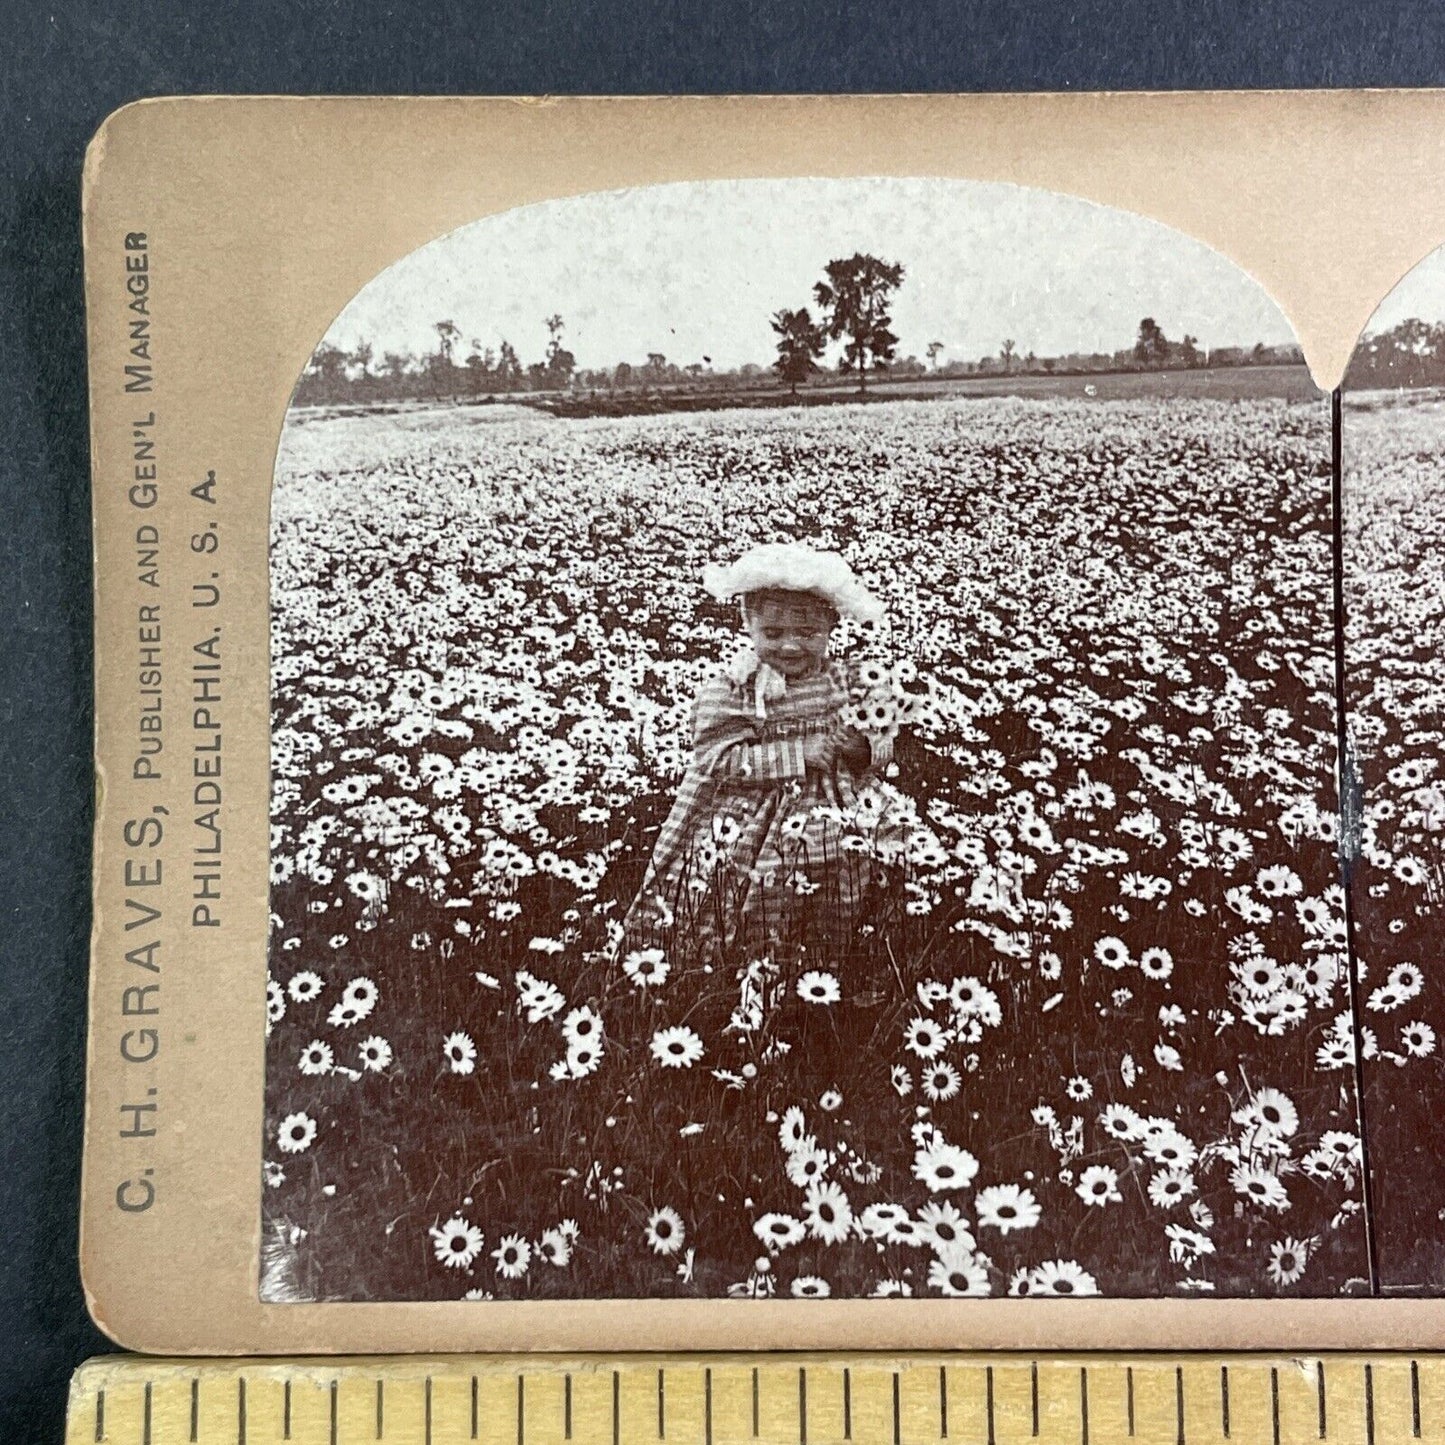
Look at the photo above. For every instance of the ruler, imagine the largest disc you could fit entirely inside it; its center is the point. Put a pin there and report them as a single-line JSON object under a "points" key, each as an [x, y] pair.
{"points": [[774, 1399]]}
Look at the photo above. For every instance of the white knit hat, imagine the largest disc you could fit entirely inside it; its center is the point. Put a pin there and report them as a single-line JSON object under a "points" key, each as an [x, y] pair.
{"points": [[793, 567]]}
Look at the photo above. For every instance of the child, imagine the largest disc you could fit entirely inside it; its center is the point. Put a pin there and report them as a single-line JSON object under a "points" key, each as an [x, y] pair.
{"points": [[756, 832]]}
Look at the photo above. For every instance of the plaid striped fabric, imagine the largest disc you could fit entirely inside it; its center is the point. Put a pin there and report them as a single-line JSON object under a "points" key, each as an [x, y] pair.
{"points": [[749, 772]]}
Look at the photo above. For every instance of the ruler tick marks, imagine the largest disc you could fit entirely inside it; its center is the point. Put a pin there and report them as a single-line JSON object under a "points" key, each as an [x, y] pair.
{"points": [[1415, 1398], [1320, 1394], [1034, 1377], [380, 1410], [847, 1404], [146, 1418], [617, 1409], [943, 1402], [897, 1413], [988, 1402], [661, 1408], [1084, 1404], [195, 1407], [1179, 1403], [100, 1415], [475, 1393], [755, 1402], [286, 1410], [802, 1406], [566, 1409], [1274, 1400], [706, 1406], [1369, 1405], [1224, 1398], [1129, 1395]]}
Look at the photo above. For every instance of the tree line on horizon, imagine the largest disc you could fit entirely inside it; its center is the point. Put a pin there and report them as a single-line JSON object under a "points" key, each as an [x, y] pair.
{"points": [[853, 299], [1409, 354]]}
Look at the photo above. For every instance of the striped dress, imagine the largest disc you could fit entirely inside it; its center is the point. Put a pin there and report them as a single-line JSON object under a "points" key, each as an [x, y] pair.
{"points": [[753, 831]]}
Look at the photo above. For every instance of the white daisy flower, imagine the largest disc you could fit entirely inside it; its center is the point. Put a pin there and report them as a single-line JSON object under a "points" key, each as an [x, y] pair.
{"points": [[1260, 1185], [1170, 1187], [647, 967], [457, 1242], [676, 1048], [925, 1038], [779, 1231], [665, 1232], [460, 1052], [1098, 1185], [809, 1286], [554, 1247], [827, 1213], [1006, 1207], [961, 1277], [513, 1256], [819, 987], [295, 1133], [1062, 1277], [316, 1058], [945, 1228], [304, 986], [1287, 1260], [375, 1053], [942, 1166]]}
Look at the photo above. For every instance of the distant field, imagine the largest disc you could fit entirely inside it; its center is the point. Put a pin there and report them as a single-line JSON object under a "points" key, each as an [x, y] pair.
{"points": [[1292, 383]]}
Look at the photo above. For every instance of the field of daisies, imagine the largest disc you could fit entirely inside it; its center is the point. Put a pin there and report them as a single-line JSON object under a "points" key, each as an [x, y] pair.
{"points": [[1394, 516], [1094, 1036]]}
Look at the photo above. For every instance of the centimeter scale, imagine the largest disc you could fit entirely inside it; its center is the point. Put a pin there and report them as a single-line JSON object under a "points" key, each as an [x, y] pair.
{"points": [[775, 1399]]}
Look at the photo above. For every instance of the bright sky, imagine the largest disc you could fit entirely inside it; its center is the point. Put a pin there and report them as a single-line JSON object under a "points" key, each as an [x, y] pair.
{"points": [[1420, 294], [695, 270]]}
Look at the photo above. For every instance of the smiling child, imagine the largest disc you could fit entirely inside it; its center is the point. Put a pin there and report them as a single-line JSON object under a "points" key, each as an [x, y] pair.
{"points": [[755, 832]]}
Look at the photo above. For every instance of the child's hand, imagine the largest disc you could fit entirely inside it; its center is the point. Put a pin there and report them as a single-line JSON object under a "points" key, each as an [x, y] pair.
{"points": [[820, 753], [854, 750]]}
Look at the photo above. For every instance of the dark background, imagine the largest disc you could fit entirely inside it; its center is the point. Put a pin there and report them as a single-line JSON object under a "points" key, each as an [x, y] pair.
{"points": [[64, 71]]}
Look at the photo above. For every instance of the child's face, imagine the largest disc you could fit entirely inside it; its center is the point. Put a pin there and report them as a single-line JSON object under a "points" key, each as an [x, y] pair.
{"points": [[790, 635]]}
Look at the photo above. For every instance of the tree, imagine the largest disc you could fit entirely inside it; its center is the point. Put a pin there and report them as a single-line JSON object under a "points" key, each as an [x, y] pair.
{"points": [[477, 364], [509, 369], [934, 348], [1151, 347], [325, 376], [560, 362], [440, 364], [1006, 355], [800, 343], [448, 334], [329, 361], [855, 295], [1189, 350]]}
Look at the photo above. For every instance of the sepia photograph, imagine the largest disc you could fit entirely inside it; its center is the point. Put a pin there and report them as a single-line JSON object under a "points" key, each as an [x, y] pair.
{"points": [[804, 749]]}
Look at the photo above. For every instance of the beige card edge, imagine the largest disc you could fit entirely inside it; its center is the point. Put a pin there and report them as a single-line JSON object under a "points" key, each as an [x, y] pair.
{"points": [[240, 190]]}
